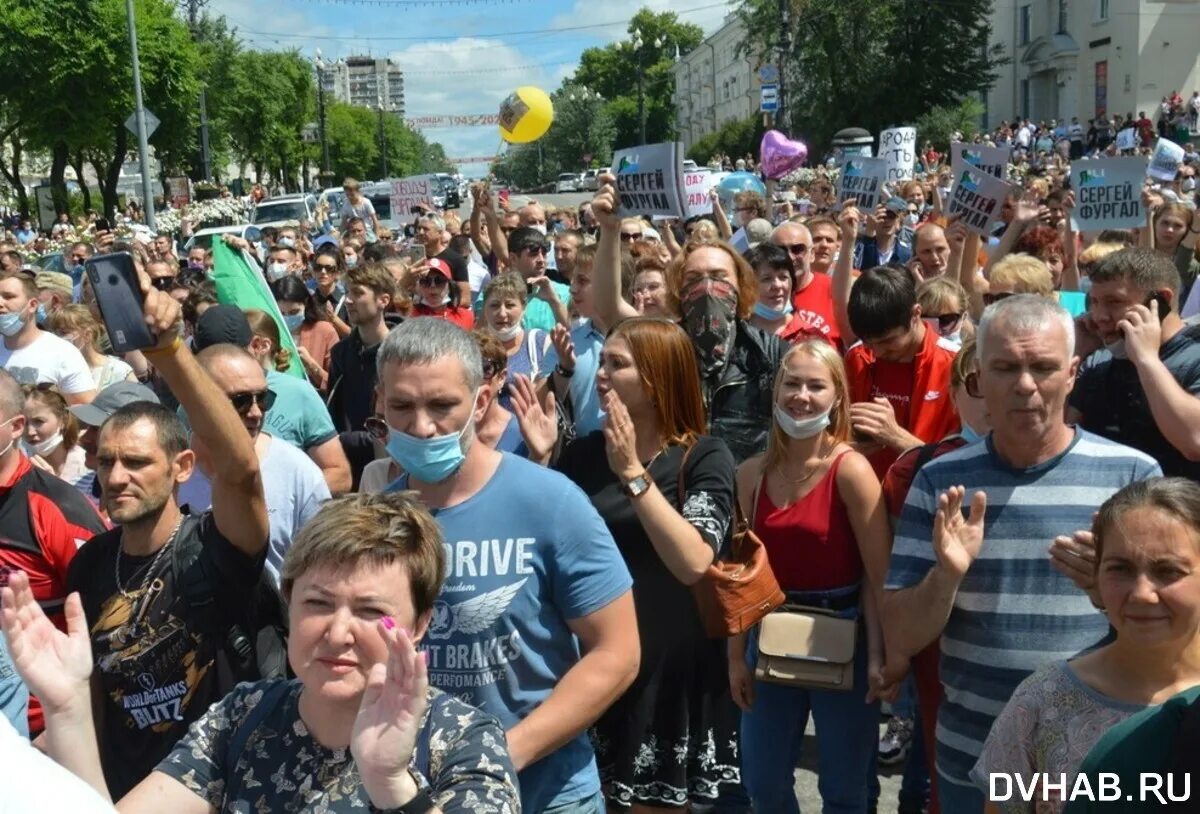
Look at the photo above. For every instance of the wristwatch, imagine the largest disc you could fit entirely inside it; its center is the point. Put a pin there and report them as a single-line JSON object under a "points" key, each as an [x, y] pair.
{"points": [[421, 804], [636, 487]]}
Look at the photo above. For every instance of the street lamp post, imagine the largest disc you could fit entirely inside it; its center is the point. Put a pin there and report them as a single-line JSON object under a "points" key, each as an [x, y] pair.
{"points": [[638, 42], [320, 63], [139, 115], [383, 169]]}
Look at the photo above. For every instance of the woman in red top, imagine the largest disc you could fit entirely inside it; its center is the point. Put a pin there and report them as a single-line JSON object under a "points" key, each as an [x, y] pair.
{"points": [[436, 297], [819, 510]]}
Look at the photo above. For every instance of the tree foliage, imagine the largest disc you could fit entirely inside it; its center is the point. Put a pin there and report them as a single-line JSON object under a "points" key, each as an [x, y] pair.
{"points": [[936, 124], [612, 71], [734, 139], [872, 63], [354, 144]]}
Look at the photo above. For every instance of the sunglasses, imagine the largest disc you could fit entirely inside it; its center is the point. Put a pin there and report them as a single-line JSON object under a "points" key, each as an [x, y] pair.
{"points": [[492, 369], [947, 321], [376, 427], [242, 402], [627, 237], [163, 283], [432, 281], [991, 299], [324, 268], [542, 250], [971, 385], [796, 248]]}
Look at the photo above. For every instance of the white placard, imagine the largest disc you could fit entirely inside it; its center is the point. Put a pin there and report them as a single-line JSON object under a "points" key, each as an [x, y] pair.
{"points": [[1164, 165], [650, 179], [898, 147], [415, 190]]}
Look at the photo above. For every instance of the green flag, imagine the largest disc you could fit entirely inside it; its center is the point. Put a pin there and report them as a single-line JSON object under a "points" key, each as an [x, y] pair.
{"points": [[240, 283]]}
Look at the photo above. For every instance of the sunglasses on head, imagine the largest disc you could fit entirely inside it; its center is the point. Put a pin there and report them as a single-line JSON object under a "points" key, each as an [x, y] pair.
{"points": [[242, 402], [163, 283], [990, 299], [491, 369]]}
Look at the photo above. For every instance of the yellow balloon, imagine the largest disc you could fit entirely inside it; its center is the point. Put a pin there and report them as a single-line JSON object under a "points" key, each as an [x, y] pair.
{"points": [[525, 115]]}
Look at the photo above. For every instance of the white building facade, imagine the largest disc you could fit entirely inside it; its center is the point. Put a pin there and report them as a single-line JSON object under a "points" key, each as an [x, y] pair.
{"points": [[1088, 58], [714, 84], [366, 82]]}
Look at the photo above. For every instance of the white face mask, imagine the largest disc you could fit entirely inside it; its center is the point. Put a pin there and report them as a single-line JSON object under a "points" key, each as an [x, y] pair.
{"points": [[509, 333], [276, 271], [800, 428], [540, 228], [45, 447]]}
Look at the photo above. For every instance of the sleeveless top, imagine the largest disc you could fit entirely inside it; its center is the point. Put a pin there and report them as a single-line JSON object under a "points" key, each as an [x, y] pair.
{"points": [[810, 544]]}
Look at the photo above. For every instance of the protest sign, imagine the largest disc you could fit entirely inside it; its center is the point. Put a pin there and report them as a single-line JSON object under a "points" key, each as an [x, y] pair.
{"points": [[862, 179], [992, 160], [1164, 165], [1127, 139], [696, 186], [179, 191], [977, 198], [650, 180], [1108, 193], [898, 147], [415, 190]]}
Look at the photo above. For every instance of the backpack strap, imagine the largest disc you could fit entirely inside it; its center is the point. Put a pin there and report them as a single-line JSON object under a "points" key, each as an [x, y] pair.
{"points": [[240, 736]]}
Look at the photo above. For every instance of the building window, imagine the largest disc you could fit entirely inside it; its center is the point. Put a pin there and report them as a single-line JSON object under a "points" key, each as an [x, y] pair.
{"points": [[1026, 24], [1062, 16], [1101, 10], [1025, 98]]}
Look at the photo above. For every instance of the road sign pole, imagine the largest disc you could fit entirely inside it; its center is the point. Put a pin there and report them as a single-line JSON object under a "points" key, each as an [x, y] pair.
{"points": [[140, 115]]}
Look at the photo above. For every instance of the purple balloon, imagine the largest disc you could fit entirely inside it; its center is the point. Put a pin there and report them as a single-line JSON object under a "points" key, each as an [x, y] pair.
{"points": [[780, 155]]}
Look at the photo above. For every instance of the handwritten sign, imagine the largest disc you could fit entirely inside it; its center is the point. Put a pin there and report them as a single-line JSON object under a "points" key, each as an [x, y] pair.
{"points": [[415, 190], [1164, 165], [976, 198], [1108, 193], [1127, 139], [992, 160], [650, 179], [863, 179], [695, 188], [898, 147]]}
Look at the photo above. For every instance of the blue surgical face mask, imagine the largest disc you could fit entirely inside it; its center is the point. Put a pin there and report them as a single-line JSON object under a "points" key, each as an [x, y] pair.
{"points": [[429, 460], [293, 321], [41, 313], [765, 311], [11, 324], [351, 262], [969, 435]]}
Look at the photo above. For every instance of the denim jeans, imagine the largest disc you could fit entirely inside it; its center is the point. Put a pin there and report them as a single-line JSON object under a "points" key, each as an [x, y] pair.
{"points": [[14, 697], [847, 738], [914, 784], [956, 799], [591, 805]]}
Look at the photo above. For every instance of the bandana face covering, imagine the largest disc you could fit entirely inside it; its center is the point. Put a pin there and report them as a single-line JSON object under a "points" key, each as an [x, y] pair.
{"points": [[709, 311]]}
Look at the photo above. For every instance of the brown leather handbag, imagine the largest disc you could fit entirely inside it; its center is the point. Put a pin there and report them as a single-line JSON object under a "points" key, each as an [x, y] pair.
{"points": [[740, 589]]}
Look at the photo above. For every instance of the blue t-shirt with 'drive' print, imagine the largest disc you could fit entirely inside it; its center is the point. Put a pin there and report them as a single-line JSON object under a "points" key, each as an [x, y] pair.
{"points": [[524, 555]]}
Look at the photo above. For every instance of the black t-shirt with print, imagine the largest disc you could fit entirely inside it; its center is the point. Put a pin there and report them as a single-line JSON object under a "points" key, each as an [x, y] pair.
{"points": [[155, 654]]}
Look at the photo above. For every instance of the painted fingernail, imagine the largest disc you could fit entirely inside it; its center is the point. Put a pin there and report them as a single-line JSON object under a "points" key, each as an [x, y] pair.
{"points": [[388, 622]]}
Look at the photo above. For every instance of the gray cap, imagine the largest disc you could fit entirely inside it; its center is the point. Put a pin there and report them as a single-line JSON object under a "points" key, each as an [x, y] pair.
{"points": [[111, 399], [758, 231]]}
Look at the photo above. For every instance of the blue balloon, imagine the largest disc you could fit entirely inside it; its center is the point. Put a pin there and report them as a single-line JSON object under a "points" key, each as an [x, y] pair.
{"points": [[736, 182]]}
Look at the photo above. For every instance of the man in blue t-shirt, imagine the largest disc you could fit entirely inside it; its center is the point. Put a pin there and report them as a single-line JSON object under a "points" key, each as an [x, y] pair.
{"points": [[535, 624], [985, 585]]}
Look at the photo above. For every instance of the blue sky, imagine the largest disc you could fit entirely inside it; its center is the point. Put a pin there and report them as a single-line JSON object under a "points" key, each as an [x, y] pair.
{"points": [[461, 57]]}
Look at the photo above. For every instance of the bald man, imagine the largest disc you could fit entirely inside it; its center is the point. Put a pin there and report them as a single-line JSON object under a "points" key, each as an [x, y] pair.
{"points": [[931, 250], [812, 297]]}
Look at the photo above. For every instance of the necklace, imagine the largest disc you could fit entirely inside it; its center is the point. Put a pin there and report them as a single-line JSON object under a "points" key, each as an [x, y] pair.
{"points": [[149, 569], [803, 478]]}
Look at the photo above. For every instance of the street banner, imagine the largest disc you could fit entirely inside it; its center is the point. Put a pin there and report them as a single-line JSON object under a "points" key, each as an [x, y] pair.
{"points": [[992, 160], [415, 190], [650, 180], [976, 198], [862, 178], [1164, 165], [1108, 193], [696, 186], [898, 147]]}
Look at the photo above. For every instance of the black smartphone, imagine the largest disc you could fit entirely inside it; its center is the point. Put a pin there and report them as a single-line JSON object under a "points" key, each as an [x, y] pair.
{"points": [[531, 290], [1164, 305], [115, 283], [102, 225]]}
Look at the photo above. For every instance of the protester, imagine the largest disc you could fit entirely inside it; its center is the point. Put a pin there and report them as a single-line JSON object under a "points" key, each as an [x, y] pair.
{"points": [[667, 497], [1141, 389], [435, 297], [1032, 460], [773, 312], [650, 290], [34, 356], [431, 232], [52, 438], [547, 594], [1172, 230], [547, 302], [293, 486], [944, 309], [1147, 558], [505, 302], [328, 267], [76, 324], [357, 205], [882, 245], [360, 707], [311, 329], [811, 292], [817, 506]]}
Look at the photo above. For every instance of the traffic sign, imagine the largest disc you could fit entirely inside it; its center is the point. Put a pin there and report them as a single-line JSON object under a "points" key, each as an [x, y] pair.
{"points": [[152, 123], [768, 74], [770, 98]]}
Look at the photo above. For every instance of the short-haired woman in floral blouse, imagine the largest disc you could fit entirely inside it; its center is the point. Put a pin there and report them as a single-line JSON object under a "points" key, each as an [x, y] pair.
{"points": [[359, 730]]}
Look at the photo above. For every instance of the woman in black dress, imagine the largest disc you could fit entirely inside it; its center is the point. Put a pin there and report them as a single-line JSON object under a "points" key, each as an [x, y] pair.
{"points": [[672, 737]]}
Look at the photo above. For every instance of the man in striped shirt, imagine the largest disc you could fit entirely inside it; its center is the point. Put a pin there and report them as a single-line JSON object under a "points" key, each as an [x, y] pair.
{"points": [[999, 605]]}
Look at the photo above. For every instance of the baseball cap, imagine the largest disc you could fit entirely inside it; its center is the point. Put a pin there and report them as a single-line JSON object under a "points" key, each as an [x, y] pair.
{"points": [[438, 266], [897, 205], [222, 324], [324, 240], [53, 279], [111, 399], [758, 231]]}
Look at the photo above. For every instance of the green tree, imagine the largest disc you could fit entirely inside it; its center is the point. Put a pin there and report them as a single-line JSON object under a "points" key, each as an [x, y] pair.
{"points": [[612, 72], [871, 63], [735, 138], [272, 97], [938, 123], [218, 53]]}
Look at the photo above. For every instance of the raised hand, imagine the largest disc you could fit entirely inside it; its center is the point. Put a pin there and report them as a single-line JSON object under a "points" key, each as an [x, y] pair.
{"points": [[849, 219], [606, 205], [538, 421], [620, 439], [958, 541], [55, 666], [565, 348], [389, 719], [1075, 558]]}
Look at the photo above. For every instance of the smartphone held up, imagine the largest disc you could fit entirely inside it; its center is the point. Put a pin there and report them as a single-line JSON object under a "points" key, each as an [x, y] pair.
{"points": [[114, 282]]}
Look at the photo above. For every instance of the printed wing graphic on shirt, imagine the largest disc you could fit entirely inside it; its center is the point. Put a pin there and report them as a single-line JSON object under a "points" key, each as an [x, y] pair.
{"points": [[473, 615]]}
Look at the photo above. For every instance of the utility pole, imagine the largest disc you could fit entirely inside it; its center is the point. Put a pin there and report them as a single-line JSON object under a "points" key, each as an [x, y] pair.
{"points": [[140, 117], [193, 8], [325, 173], [383, 172], [785, 44]]}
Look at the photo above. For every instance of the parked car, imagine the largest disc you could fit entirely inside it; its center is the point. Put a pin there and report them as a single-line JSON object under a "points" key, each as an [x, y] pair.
{"points": [[285, 209], [590, 181], [567, 182]]}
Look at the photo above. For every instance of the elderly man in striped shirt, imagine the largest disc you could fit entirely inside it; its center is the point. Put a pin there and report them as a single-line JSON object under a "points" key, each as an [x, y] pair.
{"points": [[986, 585]]}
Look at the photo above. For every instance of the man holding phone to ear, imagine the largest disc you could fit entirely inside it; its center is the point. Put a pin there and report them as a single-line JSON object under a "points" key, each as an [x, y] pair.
{"points": [[1142, 388]]}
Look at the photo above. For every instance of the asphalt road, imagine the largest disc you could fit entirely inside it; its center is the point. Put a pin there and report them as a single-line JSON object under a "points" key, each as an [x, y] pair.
{"points": [[552, 199]]}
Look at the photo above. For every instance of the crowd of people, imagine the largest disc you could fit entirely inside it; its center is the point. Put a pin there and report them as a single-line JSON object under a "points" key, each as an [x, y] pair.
{"points": [[446, 554]]}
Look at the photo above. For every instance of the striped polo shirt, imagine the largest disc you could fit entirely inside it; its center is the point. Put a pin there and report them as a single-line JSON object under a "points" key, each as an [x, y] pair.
{"points": [[1013, 611]]}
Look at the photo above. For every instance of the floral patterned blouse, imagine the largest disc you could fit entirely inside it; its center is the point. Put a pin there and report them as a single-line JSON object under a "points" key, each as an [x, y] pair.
{"points": [[1048, 727], [282, 768]]}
